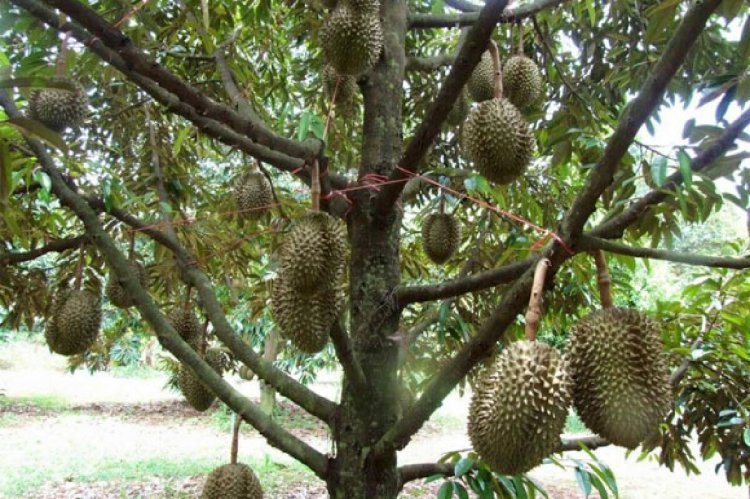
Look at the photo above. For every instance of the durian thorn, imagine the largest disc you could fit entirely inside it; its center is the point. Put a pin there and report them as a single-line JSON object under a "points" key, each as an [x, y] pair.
{"points": [[315, 186], [79, 268], [603, 279], [235, 438], [497, 66], [534, 312]]}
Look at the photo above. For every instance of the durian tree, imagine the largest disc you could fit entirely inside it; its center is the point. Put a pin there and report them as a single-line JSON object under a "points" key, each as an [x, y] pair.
{"points": [[333, 146]]}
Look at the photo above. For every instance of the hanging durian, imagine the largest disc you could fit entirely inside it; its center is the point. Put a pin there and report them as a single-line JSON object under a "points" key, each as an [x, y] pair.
{"points": [[351, 39], [441, 235], [114, 290], [522, 81], [234, 480], [621, 386], [520, 402], [59, 107], [253, 194], [481, 83]]}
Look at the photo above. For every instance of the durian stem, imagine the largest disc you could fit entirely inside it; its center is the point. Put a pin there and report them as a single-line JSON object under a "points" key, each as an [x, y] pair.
{"points": [[333, 106], [520, 39], [186, 303], [442, 202], [62, 55], [603, 279], [497, 66], [131, 251], [315, 186], [79, 269], [534, 312], [235, 439]]}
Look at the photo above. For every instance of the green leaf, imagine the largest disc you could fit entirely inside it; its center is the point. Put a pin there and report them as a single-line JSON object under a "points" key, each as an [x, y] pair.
{"points": [[743, 49], [181, 135], [599, 485], [304, 125], [462, 466], [721, 109], [460, 490], [44, 181], [746, 436], [591, 11], [446, 491], [433, 478], [685, 169], [584, 481], [659, 170], [33, 127]]}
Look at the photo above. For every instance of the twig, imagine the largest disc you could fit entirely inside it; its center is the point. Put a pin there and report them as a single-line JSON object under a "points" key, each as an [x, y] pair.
{"points": [[534, 312], [603, 279]]}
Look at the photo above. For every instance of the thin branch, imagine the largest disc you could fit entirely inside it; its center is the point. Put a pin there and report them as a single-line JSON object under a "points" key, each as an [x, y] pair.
{"points": [[462, 285], [468, 56], [470, 13], [615, 226], [347, 357], [590, 243], [59, 246], [410, 472], [161, 190], [601, 176], [429, 63], [142, 64], [275, 434]]}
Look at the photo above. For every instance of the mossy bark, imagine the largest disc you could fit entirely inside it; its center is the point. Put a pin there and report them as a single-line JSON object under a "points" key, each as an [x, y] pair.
{"points": [[365, 416]]}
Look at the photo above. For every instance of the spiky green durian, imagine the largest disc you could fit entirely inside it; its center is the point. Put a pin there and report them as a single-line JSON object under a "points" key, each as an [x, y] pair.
{"points": [[75, 322], [313, 252], [620, 376], [305, 320], [117, 294], [522, 82], [253, 195], [441, 235], [351, 40], [186, 323], [519, 406], [195, 392], [481, 83], [59, 108], [498, 140], [232, 481], [345, 92]]}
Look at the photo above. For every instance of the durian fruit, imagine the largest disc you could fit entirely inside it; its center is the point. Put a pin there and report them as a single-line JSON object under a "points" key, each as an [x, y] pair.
{"points": [[313, 252], [460, 109], [351, 40], [346, 91], [232, 481], [252, 194], [498, 140], [117, 294], [482, 80], [441, 235], [620, 377], [186, 323], [195, 392], [59, 108], [518, 408], [75, 322], [305, 320], [522, 82], [368, 6]]}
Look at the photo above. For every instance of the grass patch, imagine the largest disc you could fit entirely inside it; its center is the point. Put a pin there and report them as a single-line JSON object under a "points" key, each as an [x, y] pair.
{"points": [[289, 419], [45, 402], [574, 425]]}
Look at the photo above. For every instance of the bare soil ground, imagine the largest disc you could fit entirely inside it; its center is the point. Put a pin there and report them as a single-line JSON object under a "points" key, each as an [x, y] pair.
{"points": [[99, 436]]}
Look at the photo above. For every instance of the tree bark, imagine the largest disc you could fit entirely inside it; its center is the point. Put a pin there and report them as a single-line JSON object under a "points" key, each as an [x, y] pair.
{"points": [[267, 391]]}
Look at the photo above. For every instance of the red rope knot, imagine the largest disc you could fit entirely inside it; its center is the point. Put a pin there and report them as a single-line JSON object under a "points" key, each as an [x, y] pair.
{"points": [[373, 181]]}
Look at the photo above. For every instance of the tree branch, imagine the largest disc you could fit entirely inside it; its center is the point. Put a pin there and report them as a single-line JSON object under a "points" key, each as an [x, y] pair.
{"points": [[462, 285], [468, 56], [347, 357], [57, 246], [140, 63], [636, 114], [586, 242], [429, 63], [412, 472], [514, 300], [275, 434], [470, 14], [615, 226]]}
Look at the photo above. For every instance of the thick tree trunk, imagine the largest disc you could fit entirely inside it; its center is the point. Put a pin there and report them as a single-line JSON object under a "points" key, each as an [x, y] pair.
{"points": [[365, 414]]}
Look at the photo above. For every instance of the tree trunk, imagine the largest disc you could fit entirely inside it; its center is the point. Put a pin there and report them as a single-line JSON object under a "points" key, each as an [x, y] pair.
{"points": [[366, 413], [268, 392]]}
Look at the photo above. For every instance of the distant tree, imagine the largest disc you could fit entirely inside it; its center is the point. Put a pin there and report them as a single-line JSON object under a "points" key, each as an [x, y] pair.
{"points": [[187, 96]]}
